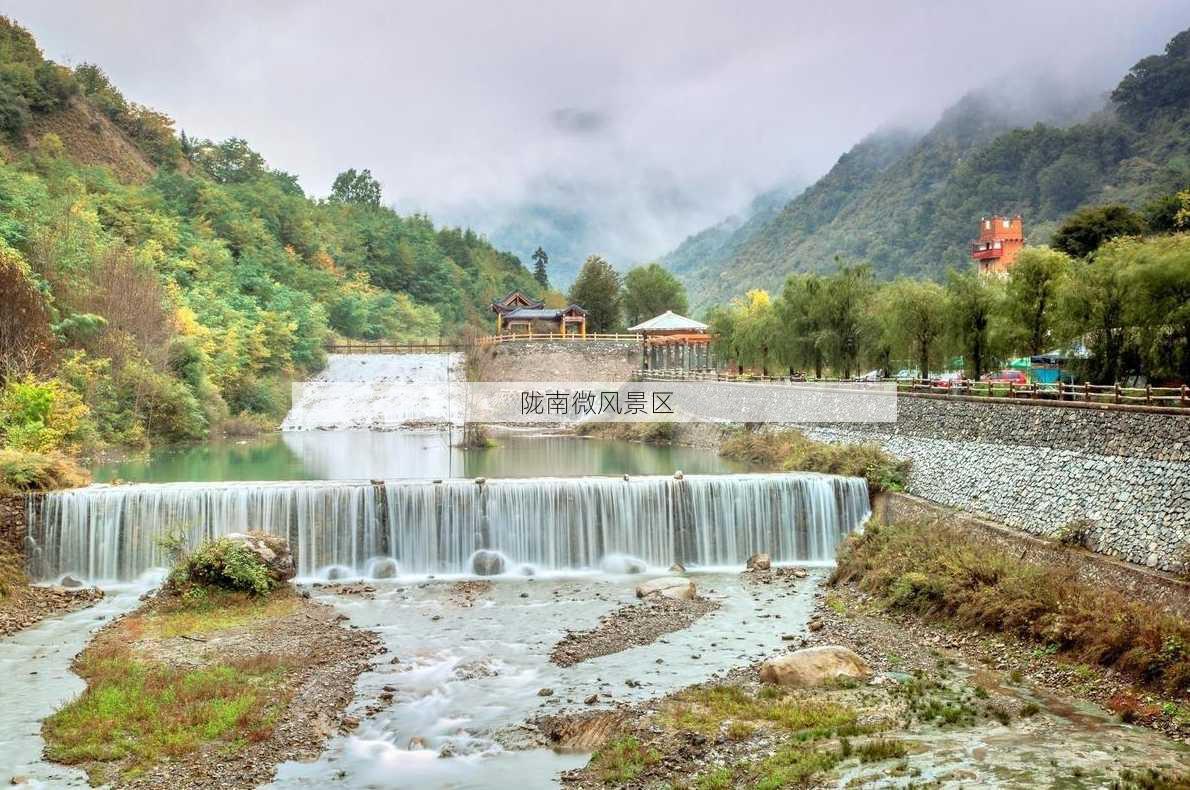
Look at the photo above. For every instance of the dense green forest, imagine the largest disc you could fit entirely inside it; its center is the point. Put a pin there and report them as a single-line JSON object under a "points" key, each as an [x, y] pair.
{"points": [[1114, 300], [908, 206], [154, 285]]}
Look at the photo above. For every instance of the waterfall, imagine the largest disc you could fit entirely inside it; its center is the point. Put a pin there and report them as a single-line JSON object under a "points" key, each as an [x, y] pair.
{"points": [[113, 532]]}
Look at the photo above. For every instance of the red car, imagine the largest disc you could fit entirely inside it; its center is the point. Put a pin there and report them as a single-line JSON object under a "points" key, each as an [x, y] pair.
{"points": [[1006, 377]]}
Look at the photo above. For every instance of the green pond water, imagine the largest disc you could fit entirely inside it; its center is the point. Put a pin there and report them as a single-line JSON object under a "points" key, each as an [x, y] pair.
{"points": [[356, 455]]}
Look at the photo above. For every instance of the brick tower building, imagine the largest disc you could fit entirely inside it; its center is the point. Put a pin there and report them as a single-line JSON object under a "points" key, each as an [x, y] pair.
{"points": [[1000, 241]]}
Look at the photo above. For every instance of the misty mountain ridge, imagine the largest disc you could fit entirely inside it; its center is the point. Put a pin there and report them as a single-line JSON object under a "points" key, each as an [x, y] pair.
{"points": [[907, 202]]}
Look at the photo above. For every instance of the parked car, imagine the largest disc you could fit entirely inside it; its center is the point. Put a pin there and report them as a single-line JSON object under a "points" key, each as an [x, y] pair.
{"points": [[1006, 377], [946, 380]]}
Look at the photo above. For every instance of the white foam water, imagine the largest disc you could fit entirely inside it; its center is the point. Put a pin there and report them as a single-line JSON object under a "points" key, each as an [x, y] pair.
{"points": [[105, 533]]}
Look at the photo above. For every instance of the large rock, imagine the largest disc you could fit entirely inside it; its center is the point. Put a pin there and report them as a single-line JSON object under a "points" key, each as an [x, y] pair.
{"points": [[623, 563], [759, 562], [668, 587], [488, 563], [383, 568], [815, 666], [273, 551]]}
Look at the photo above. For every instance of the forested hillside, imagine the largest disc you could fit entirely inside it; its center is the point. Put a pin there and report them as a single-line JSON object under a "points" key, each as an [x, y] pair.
{"points": [[911, 207], [156, 285], [709, 248]]}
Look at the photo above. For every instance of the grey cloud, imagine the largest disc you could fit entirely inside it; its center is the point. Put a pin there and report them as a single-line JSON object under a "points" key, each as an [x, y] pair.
{"points": [[578, 121], [647, 120]]}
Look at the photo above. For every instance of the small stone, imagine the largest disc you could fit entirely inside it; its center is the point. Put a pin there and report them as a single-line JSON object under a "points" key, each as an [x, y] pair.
{"points": [[815, 625], [545, 692], [591, 700], [416, 743]]}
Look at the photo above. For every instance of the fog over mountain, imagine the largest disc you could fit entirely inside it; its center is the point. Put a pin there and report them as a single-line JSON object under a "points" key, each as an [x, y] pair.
{"points": [[620, 128]]}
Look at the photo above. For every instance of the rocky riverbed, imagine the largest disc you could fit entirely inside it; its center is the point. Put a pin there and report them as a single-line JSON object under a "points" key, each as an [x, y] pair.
{"points": [[27, 605], [942, 706]]}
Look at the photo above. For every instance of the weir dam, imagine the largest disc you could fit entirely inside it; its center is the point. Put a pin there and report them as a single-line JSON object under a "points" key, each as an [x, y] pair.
{"points": [[103, 533]]}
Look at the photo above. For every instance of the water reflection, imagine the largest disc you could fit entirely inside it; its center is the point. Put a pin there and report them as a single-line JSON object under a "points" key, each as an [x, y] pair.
{"points": [[364, 455]]}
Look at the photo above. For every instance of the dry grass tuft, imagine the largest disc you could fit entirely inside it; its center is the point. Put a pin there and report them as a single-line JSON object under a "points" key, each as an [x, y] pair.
{"points": [[22, 471], [792, 451]]}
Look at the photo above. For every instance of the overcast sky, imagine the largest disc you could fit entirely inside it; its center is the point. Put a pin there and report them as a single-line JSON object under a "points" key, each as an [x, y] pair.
{"points": [[657, 115]]}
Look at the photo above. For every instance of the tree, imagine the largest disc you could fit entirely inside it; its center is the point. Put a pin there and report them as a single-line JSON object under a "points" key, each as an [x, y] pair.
{"points": [[757, 329], [651, 290], [1085, 230], [1029, 307], [1157, 283], [800, 312], [1091, 306], [972, 301], [913, 318], [1156, 83], [540, 261], [358, 188], [597, 290], [845, 296]]}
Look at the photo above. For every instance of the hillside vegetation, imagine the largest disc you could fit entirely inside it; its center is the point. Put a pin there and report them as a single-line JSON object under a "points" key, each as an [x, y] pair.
{"points": [[154, 285], [910, 206]]}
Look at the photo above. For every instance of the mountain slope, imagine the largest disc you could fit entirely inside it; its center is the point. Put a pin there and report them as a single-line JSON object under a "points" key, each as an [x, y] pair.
{"points": [[911, 207], [169, 283]]}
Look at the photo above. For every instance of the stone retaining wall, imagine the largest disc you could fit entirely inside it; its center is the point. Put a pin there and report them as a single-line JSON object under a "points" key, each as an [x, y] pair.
{"points": [[1038, 467], [1132, 433], [560, 360], [12, 524]]}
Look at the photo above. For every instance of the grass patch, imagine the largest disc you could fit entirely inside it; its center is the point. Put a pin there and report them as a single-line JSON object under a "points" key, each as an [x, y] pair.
{"points": [[620, 761], [793, 451], [793, 766], [936, 570], [204, 610], [135, 713], [707, 709], [881, 749], [646, 432], [22, 471]]}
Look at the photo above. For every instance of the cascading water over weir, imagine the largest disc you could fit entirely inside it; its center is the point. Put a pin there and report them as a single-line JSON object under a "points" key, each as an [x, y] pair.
{"points": [[113, 532]]}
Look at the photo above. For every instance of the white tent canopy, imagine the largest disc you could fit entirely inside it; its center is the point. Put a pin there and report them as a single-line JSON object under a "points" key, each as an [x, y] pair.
{"points": [[669, 321]]}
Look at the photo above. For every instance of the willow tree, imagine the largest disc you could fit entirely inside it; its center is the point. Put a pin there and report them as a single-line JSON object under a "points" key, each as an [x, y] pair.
{"points": [[972, 302], [913, 319], [1030, 307]]}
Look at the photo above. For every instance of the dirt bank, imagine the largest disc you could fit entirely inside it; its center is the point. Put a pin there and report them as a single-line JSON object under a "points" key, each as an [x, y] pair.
{"points": [[210, 693], [630, 626]]}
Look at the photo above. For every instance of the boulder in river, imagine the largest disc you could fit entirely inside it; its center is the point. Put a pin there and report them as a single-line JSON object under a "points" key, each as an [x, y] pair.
{"points": [[815, 666], [486, 562], [623, 563], [759, 562], [273, 551], [70, 583], [677, 567], [668, 587], [383, 568]]}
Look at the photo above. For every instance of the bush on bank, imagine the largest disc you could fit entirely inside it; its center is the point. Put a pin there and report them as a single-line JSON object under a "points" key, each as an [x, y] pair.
{"points": [[793, 451], [936, 570], [22, 471], [224, 564]]}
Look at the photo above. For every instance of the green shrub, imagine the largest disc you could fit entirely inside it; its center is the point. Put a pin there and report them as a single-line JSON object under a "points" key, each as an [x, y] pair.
{"points": [[41, 416], [226, 564]]}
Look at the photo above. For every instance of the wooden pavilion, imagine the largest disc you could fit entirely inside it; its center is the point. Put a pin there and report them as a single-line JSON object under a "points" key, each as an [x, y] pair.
{"points": [[674, 341]]}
